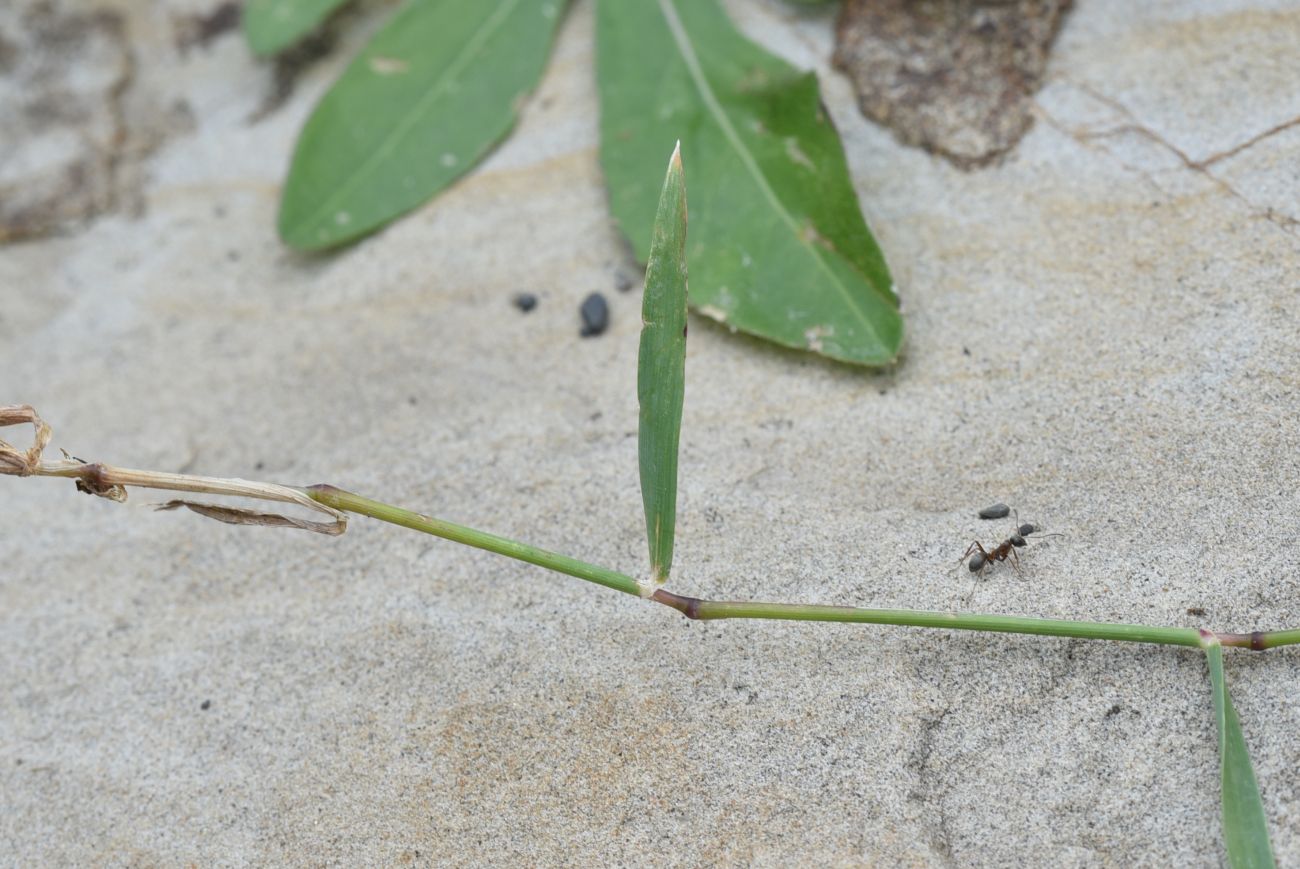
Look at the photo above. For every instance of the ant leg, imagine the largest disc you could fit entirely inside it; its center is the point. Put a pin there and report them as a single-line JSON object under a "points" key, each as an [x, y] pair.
{"points": [[974, 547], [974, 581], [1015, 561]]}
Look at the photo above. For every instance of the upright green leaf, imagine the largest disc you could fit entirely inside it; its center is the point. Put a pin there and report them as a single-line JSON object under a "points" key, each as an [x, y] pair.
{"points": [[1245, 830], [424, 101], [661, 368], [779, 247], [270, 26]]}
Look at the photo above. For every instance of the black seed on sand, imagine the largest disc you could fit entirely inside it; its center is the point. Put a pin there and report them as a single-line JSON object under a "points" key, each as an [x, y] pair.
{"points": [[525, 302], [205, 705], [997, 511], [623, 280], [595, 315]]}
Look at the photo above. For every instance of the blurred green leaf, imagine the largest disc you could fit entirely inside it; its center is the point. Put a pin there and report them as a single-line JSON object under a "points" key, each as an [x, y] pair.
{"points": [[270, 26], [779, 247], [661, 368], [424, 101], [1245, 829]]}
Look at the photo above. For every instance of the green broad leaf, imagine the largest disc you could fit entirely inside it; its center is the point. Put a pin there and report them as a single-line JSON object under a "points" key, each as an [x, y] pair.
{"points": [[661, 368], [1245, 829], [779, 247], [422, 103], [271, 26]]}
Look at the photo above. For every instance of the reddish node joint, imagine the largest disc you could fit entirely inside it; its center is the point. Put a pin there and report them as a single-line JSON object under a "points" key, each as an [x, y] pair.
{"points": [[1256, 641], [687, 606]]}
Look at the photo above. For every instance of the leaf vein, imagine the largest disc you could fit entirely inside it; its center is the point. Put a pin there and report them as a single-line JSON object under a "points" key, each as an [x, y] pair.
{"points": [[399, 131], [687, 50]]}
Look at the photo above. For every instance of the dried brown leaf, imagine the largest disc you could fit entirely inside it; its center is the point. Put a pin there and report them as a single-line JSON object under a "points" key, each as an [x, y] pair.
{"points": [[241, 516], [13, 460]]}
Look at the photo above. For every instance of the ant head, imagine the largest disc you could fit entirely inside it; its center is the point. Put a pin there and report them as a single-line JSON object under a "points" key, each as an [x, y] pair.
{"points": [[977, 562], [1025, 530]]}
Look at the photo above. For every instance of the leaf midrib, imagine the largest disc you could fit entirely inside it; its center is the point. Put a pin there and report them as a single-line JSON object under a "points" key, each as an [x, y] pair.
{"points": [[687, 50], [399, 131]]}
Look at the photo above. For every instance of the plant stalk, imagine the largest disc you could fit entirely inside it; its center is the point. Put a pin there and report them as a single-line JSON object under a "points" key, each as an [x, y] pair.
{"points": [[1260, 640], [109, 481], [339, 499], [695, 608]]}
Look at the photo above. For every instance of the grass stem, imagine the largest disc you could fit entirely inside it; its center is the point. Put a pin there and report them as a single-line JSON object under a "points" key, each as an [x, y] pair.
{"points": [[109, 481], [695, 608], [339, 499], [708, 609]]}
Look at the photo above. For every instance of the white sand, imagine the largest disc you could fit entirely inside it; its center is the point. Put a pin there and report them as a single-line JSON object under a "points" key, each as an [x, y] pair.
{"points": [[1133, 325]]}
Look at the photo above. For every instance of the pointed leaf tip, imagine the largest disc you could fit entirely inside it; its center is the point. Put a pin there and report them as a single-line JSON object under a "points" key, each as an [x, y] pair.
{"points": [[661, 368], [779, 245]]}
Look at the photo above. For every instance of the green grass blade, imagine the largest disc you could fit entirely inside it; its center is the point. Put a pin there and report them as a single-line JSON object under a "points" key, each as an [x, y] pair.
{"points": [[271, 26], [779, 247], [1245, 829], [661, 368], [422, 103]]}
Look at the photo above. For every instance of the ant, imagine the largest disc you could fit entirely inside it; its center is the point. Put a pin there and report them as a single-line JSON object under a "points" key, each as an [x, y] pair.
{"points": [[983, 558]]}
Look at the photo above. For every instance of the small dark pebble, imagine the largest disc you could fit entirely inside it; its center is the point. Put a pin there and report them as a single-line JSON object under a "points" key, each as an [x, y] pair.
{"points": [[205, 705], [623, 280], [997, 511], [1195, 611], [525, 302], [595, 315], [965, 351]]}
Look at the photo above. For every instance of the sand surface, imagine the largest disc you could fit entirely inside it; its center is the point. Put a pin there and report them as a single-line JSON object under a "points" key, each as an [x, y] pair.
{"points": [[1103, 331]]}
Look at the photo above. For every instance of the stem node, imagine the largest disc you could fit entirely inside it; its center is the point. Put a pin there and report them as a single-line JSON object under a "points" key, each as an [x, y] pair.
{"points": [[687, 606]]}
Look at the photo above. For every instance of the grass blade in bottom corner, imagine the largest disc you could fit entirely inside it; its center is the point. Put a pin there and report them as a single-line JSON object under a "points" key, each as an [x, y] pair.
{"points": [[1245, 829]]}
